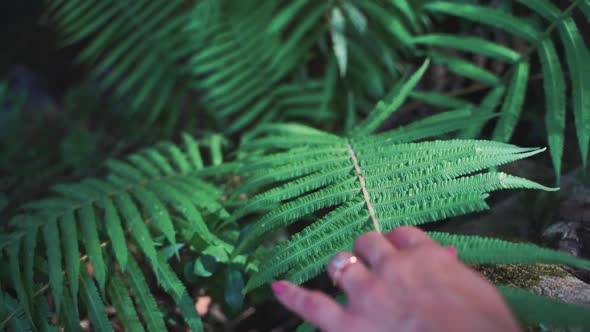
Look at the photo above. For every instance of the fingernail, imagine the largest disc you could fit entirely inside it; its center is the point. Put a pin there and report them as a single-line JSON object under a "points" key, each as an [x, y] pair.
{"points": [[279, 287], [452, 250]]}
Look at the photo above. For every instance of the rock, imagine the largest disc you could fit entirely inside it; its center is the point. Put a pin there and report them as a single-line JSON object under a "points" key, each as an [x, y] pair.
{"points": [[567, 289], [547, 280], [571, 233]]}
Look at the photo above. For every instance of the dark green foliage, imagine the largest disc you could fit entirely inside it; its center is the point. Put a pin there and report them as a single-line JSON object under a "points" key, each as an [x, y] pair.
{"points": [[539, 43], [137, 49], [158, 192], [256, 62]]}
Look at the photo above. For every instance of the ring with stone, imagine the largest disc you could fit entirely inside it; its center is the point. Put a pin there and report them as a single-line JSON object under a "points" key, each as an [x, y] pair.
{"points": [[339, 265]]}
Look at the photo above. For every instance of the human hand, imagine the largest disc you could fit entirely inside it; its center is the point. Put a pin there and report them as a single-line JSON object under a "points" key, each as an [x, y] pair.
{"points": [[402, 281]]}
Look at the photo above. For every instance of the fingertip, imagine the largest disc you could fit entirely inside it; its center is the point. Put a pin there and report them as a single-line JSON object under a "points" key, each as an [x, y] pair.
{"points": [[279, 287]]}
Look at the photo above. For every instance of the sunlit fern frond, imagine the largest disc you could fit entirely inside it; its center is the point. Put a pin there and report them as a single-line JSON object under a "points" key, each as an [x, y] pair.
{"points": [[361, 182], [117, 225]]}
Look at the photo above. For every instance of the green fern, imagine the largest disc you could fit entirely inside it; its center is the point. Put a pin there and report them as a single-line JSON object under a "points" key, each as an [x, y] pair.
{"points": [[158, 191], [138, 50], [365, 182], [13, 315], [540, 43], [250, 62], [533, 309]]}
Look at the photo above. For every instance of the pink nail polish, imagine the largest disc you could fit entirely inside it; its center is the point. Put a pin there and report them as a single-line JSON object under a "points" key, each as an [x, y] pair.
{"points": [[279, 287], [452, 250]]}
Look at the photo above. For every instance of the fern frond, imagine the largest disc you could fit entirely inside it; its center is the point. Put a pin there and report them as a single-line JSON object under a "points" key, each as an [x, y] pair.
{"points": [[142, 296], [379, 182], [486, 15], [119, 296], [13, 315], [512, 107], [233, 83], [470, 44], [554, 101], [153, 193], [384, 109], [541, 42], [533, 310], [575, 51], [373, 181], [486, 107], [95, 305], [138, 50], [464, 68], [483, 250]]}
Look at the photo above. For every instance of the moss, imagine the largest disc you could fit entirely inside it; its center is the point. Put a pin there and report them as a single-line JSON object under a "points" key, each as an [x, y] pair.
{"points": [[524, 276]]}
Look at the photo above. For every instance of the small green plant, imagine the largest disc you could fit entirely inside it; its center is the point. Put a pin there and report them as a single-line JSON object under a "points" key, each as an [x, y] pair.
{"points": [[118, 225]]}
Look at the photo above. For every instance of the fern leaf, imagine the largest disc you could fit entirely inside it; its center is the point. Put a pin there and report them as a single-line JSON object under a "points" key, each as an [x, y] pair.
{"points": [[94, 304], [13, 315], [70, 318], [16, 276], [177, 157], [144, 300], [464, 68], [157, 212], [121, 38], [472, 44], [142, 163], [30, 244], [585, 7], [193, 153], [158, 189], [435, 125], [485, 15], [280, 20], [136, 223], [115, 233], [92, 243], [513, 104], [54, 261], [482, 250], [406, 184], [173, 286], [575, 53], [555, 102], [119, 295], [440, 100], [71, 252], [383, 110], [186, 208], [487, 106], [532, 309]]}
